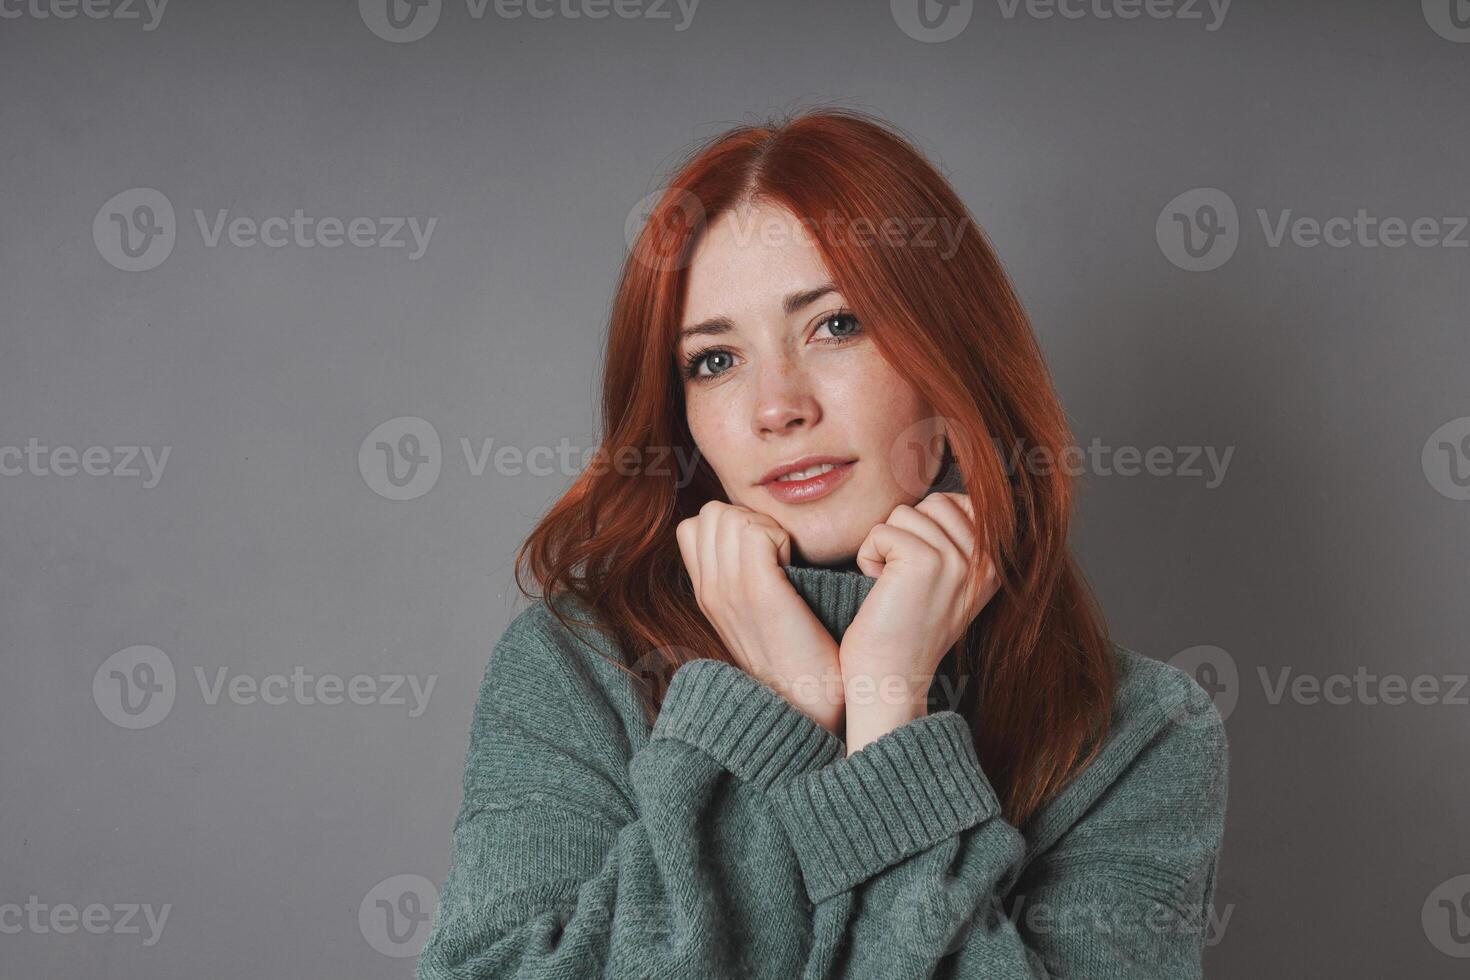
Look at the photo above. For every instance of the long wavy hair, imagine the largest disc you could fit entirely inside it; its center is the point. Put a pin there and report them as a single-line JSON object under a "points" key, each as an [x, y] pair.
{"points": [[1034, 671]]}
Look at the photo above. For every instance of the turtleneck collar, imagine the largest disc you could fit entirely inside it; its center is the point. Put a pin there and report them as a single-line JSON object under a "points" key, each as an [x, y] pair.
{"points": [[834, 594]]}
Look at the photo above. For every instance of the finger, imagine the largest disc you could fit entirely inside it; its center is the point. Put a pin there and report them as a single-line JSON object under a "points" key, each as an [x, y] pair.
{"points": [[780, 537], [728, 541], [709, 526], [761, 545], [988, 580], [886, 543], [923, 527], [687, 535], [965, 501], [953, 518], [956, 513]]}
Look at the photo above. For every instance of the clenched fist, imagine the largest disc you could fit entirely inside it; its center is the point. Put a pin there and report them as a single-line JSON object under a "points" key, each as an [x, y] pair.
{"points": [[922, 603], [734, 557]]}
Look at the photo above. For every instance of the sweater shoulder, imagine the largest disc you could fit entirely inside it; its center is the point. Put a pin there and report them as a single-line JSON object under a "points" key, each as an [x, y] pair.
{"points": [[537, 637], [1159, 696], [1163, 712], [568, 679], [1165, 741]]}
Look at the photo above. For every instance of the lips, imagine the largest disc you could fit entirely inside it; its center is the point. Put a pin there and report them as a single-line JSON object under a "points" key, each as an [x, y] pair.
{"points": [[804, 463], [813, 487]]}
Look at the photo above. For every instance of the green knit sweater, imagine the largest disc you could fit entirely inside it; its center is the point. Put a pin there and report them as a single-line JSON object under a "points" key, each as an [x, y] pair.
{"points": [[736, 838]]}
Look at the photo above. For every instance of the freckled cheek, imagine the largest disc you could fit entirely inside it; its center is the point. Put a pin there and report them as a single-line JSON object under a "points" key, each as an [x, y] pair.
{"points": [[873, 399], [716, 432], [879, 410]]}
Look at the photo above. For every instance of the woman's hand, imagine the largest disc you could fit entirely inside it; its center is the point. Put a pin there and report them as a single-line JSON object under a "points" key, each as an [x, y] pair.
{"points": [[918, 608], [734, 557]]}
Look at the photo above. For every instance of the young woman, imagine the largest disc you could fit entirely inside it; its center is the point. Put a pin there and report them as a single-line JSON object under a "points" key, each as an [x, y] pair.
{"points": [[837, 703]]}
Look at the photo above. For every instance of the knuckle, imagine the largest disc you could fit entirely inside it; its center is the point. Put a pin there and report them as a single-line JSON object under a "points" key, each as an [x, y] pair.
{"points": [[930, 555]]}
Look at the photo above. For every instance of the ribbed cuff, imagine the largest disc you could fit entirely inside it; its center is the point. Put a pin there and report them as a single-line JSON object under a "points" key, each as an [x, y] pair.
{"points": [[900, 794], [743, 724]]}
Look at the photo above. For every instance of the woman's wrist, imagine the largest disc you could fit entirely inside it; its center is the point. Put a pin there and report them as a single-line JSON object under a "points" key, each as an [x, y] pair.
{"points": [[819, 697], [878, 700], [868, 725]]}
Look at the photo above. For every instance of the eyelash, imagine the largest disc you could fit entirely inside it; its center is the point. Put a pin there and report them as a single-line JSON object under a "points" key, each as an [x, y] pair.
{"points": [[692, 361]]}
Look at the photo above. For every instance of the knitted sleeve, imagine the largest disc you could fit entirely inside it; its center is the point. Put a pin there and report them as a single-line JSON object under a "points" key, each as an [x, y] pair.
{"points": [[572, 859], [903, 849]]}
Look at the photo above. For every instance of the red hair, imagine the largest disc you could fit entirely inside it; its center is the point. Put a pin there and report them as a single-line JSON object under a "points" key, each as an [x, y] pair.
{"points": [[1035, 670]]}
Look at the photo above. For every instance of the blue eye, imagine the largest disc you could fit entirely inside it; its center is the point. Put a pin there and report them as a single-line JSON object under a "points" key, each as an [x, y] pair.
{"points": [[696, 358], [841, 317]]}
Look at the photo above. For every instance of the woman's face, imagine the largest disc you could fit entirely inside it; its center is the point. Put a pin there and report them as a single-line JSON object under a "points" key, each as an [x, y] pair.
{"points": [[782, 370]]}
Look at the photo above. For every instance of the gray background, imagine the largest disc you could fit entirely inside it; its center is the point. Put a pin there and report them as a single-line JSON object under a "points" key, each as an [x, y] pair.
{"points": [[1336, 541]]}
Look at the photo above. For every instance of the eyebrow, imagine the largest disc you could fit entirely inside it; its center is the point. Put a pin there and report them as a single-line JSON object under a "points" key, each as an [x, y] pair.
{"points": [[792, 303]]}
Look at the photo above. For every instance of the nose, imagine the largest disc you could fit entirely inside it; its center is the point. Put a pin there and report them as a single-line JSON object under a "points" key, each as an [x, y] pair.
{"points": [[784, 400]]}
